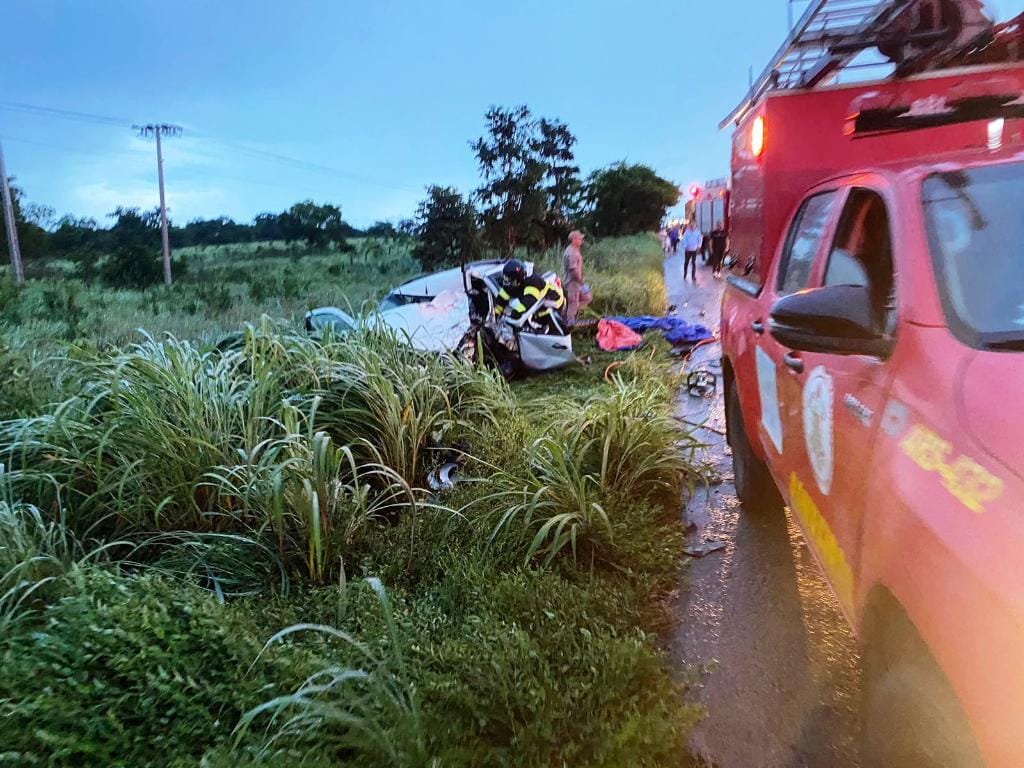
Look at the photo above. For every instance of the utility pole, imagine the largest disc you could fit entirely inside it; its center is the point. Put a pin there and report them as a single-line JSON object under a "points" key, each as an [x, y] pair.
{"points": [[12, 230], [158, 130]]}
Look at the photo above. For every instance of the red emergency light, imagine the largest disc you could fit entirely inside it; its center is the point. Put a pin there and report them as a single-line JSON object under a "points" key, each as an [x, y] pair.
{"points": [[695, 191]]}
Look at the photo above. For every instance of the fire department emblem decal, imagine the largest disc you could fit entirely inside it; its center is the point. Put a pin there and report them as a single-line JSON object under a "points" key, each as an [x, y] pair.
{"points": [[818, 426]]}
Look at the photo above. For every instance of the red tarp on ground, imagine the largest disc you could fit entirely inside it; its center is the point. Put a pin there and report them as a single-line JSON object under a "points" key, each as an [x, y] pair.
{"points": [[613, 336]]}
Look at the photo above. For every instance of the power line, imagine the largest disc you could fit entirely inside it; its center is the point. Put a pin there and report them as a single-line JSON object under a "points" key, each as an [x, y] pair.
{"points": [[293, 162], [76, 150], [305, 164], [191, 172], [68, 114]]}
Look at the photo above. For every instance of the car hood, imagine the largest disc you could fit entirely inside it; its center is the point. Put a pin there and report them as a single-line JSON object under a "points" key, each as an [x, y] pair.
{"points": [[433, 326], [990, 405]]}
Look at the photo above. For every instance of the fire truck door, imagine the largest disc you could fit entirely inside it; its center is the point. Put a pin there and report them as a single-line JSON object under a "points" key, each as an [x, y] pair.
{"points": [[842, 398], [778, 387]]}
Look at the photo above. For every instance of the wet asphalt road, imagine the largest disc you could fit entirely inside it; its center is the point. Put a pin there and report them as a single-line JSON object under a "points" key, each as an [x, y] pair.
{"points": [[771, 657]]}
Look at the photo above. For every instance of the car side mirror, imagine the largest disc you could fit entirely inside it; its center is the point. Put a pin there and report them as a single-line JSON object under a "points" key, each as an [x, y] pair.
{"points": [[836, 320]]}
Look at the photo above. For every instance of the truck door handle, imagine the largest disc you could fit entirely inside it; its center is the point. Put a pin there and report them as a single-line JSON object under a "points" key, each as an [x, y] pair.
{"points": [[757, 327], [793, 361]]}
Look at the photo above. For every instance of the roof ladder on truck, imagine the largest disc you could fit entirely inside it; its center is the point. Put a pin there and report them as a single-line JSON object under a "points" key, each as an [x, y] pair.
{"points": [[912, 35]]}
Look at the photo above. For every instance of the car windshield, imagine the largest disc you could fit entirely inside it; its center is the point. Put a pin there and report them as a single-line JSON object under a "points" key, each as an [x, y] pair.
{"points": [[976, 235], [393, 300]]}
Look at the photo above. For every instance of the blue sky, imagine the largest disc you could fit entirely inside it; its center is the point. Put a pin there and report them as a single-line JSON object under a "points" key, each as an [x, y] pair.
{"points": [[385, 94]]}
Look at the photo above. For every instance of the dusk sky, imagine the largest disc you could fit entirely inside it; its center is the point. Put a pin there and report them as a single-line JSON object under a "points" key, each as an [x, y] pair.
{"points": [[385, 95]]}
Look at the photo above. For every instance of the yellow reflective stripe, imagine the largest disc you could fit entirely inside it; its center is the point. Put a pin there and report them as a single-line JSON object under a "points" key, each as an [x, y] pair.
{"points": [[502, 300], [531, 291], [823, 541], [517, 306]]}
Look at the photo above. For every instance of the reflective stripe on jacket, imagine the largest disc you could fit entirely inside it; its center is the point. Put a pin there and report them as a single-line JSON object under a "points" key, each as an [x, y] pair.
{"points": [[521, 299]]}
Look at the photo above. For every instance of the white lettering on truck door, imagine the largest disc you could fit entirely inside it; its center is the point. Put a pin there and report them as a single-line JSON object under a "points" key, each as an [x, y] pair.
{"points": [[768, 390]]}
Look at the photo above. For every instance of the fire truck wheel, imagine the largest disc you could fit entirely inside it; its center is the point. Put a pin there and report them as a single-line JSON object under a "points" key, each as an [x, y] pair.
{"points": [[754, 485], [910, 716]]}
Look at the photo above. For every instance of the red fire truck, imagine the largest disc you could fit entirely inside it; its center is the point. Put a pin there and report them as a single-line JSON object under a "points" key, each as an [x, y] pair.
{"points": [[874, 354], [709, 205]]}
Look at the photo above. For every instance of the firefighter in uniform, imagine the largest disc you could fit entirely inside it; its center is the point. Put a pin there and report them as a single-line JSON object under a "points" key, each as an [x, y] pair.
{"points": [[519, 292]]}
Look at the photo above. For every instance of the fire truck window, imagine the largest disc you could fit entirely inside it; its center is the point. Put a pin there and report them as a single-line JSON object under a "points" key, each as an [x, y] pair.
{"points": [[862, 254], [976, 236], [803, 243]]}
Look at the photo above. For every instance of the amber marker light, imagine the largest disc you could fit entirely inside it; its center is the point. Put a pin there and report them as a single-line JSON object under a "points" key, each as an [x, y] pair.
{"points": [[757, 136]]}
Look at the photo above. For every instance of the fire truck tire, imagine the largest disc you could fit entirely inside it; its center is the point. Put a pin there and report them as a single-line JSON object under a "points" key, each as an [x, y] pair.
{"points": [[755, 487], [910, 716]]}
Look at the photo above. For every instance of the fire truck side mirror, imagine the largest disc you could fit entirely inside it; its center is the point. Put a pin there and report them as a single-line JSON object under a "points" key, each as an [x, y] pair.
{"points": [[836, 319]]}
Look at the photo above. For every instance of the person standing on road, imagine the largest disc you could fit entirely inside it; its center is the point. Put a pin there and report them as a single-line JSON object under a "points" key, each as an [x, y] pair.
{"points": [[692, 240], [673, 236], [575, 289], [719, 242]]}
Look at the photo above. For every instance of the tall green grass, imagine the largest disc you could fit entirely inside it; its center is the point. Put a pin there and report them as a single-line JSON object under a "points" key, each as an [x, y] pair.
{"points": [[237, 492], [622, 445], [289, 439], [35, 553]]}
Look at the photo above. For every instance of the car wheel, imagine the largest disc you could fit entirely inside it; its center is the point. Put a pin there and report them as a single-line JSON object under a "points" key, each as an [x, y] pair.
{"points": [[910, 716], [755, 487]]}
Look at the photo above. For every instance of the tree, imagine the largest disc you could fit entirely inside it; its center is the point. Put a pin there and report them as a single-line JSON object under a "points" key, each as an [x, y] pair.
{"points": [[626, 199], [30, 220], [530, 181], [318, 225], [267, 226], [447, 230], [80, 241], [134, 261], [383, 229], [554, 144], [71, 235]]}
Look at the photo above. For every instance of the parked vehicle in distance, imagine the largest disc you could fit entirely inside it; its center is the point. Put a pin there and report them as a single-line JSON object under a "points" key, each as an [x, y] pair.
{"points": [[873, 365]]}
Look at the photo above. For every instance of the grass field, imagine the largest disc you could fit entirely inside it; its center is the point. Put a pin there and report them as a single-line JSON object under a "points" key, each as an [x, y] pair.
{"points": [[228, 559]]}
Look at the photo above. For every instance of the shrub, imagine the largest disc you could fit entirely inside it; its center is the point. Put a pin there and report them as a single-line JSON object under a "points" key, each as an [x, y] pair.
{"points": [[26, 384], [129, 672], [536, 671], [368, 711], [132, 266]]}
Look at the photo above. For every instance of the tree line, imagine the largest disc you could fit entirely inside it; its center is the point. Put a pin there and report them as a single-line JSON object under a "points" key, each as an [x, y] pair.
{"points": [[531, 195]]}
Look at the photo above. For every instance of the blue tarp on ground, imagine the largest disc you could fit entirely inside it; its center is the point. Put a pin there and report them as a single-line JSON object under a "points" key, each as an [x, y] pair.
{"points": [[677, 331]]}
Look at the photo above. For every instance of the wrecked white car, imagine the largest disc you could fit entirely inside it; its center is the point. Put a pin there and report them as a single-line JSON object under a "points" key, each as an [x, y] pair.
{"points": [[453, 311]]}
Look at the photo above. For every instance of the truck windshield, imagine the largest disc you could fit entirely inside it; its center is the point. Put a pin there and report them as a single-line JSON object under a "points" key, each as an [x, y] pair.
{"points": [[976, 235]]}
